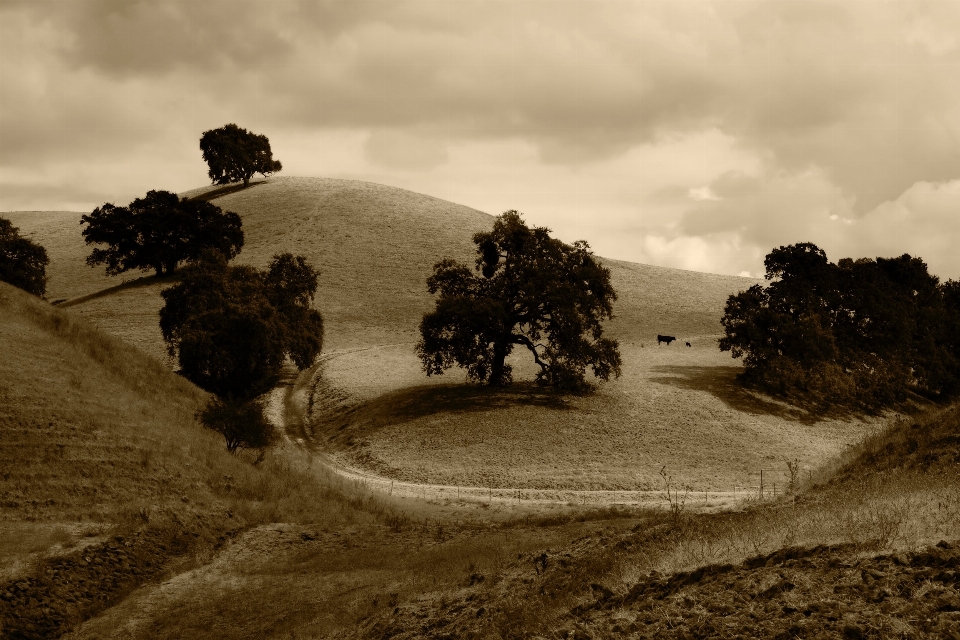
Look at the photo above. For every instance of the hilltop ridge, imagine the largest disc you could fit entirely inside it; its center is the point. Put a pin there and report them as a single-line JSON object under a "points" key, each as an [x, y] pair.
{"points": [[374, 246]]}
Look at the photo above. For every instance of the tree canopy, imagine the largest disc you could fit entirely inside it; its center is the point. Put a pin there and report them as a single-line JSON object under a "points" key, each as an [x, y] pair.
{"points": [[526, 289], [159, 231], [23, 263], [231, 327], [861, 332], [234, 154]]}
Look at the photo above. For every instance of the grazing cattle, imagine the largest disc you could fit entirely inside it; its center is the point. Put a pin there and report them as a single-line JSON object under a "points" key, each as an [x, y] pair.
{"points": [[667, 339], [689, 345]]}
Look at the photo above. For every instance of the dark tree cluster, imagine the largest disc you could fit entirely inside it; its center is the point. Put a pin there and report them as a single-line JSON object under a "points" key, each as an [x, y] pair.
{"points": [[159, 231], [231, 327], [529, 290], [233, 154], [23, 263], [857, 333]]}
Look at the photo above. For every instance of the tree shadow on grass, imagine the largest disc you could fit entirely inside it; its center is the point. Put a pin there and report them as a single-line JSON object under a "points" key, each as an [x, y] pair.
{"points": [[136, 283], [410, 404], [722, 383], [404, 405], [213, 194]]}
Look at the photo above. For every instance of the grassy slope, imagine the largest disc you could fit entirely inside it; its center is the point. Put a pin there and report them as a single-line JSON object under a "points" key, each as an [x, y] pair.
{"points": [[56, 351], [375, 246], [97, 440], [871, 552]]}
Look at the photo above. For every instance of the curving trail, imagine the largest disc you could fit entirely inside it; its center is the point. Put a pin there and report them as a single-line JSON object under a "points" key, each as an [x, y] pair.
{"points": [[285, 407]]}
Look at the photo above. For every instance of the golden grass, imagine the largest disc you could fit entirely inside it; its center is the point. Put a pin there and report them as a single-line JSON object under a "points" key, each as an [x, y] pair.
{"points": [[375, 246], [674, 406], [94, 435]]}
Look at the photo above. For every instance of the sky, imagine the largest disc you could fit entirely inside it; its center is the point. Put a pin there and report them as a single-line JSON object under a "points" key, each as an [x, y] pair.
{"points": [[697, 134]]}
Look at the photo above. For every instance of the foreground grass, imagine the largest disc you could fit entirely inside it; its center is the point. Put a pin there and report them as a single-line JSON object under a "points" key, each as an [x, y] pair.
{"points": [[98, 441], [680, 574]]}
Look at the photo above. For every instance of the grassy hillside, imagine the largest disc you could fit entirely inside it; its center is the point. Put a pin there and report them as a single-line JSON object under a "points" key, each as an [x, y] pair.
{"points": [[871, 551], [99, 441], [375, 246]]}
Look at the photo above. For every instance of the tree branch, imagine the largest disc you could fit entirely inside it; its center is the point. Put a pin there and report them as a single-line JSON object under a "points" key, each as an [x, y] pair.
{"points": [[525, 341]]}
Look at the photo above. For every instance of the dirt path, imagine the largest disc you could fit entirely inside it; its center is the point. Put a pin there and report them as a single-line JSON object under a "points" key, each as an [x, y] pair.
{"points": [[286, 405]]}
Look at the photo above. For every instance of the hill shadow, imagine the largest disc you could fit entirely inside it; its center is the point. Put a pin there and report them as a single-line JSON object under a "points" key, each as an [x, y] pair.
{"points": [[722, 383], [137, 283]]}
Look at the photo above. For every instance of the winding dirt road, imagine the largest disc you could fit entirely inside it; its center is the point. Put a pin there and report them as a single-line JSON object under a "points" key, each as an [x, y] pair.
{"points": [[286, 405]]}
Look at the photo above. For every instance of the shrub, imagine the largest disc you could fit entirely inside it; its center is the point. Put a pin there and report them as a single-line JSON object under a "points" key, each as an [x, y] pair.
{"points": [[241, 423]]}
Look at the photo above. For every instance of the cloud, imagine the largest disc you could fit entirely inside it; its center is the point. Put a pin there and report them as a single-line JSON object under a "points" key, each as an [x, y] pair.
{"points": [[706, 126], [405, 150]]}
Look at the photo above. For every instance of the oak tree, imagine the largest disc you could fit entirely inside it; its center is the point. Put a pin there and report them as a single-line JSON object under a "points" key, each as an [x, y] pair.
{"points": [[234, 154], [159, 231], [528, 290], [23, 263], [231, 327]]}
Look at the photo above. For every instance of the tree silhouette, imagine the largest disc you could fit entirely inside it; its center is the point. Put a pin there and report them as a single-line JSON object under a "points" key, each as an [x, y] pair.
{"points": [[159, 231], [231, 327], [23, 263], [234, 154], [527, 289], [860, 332]]}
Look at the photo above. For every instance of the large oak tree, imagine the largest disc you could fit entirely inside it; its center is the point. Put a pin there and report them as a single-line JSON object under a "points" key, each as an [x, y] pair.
{"points": [[159, 231], [529, 290]]}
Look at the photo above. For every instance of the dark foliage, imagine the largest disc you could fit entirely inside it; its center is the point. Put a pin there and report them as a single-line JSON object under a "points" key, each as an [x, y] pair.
{"points": [[860, 332], [527, 289], [159, 231], [23, 263], [241, 423], [232, 326], [234, 154]]}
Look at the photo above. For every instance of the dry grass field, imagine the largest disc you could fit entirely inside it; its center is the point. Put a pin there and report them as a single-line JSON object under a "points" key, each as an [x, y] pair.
{"points": [[121, 518]]}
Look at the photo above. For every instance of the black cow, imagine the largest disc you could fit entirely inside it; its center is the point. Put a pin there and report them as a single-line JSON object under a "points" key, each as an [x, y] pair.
{"points": [[689, 345], [667, 339]]}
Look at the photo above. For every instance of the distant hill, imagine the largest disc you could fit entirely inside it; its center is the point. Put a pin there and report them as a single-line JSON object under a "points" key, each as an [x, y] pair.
{"points": [[375, 246]]}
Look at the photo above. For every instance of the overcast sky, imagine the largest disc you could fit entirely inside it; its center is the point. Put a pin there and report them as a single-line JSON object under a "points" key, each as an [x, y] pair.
{"points": [[687, 133]]}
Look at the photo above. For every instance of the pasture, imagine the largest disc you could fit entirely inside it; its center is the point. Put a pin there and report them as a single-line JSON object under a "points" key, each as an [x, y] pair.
{"points": [[153, 530]]}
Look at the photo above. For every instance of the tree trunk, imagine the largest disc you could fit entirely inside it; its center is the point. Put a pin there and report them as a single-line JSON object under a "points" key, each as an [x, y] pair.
{"points": [[499, 355], [246, 181]]}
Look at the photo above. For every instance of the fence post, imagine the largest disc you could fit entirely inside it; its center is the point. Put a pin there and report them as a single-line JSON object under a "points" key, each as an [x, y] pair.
{"points": [[761, 484]]}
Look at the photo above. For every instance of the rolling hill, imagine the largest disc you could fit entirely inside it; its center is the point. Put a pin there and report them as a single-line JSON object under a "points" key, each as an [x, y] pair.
{"points": [[374, 245], [106, 481], [118, 512]]}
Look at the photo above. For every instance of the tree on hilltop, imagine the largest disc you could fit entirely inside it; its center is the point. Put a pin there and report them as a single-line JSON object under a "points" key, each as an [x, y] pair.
{"points": [[231, 327], [159, 231], [527, 289], [234, 154], [23, 263]]}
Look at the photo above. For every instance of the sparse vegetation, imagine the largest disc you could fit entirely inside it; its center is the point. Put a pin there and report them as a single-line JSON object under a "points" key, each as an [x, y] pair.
{"points": [[159, 231], [532, 291], [23, 263]]}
